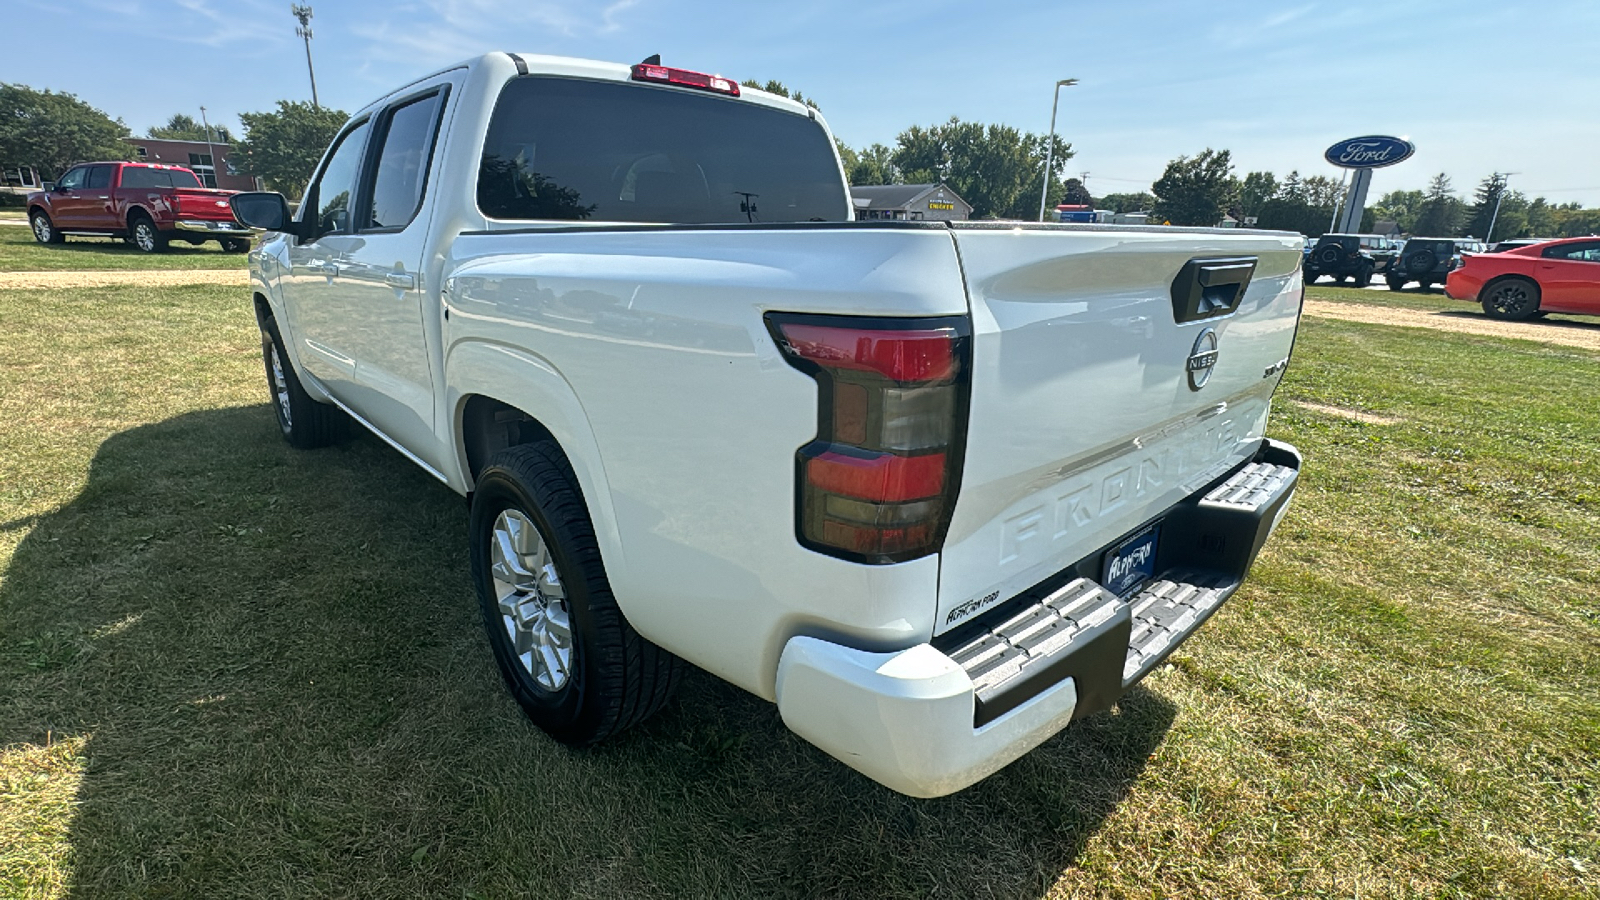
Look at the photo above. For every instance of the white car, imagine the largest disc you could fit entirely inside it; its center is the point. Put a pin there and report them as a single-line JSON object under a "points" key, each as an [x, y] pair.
{"points": [[936, 489]]}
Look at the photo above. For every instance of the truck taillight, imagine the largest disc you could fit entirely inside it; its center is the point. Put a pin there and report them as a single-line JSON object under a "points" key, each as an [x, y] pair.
{"points": [[878, 484]]}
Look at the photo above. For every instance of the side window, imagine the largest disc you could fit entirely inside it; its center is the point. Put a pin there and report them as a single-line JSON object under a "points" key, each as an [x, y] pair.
{"points": [[1588, 251], [99, 178], [334, 190], [402, 171], [73, 179]]}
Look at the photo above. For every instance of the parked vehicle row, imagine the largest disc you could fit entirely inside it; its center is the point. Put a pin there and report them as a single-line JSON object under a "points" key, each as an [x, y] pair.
{"points": [[147, 205], [915, 482]]}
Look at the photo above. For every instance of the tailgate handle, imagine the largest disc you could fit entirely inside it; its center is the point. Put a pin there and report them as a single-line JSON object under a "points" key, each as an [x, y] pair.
{"points": [[1207, 288]]}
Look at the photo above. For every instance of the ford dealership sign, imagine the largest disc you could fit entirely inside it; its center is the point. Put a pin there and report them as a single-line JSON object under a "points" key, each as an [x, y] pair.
{"points": [[1371, 152]]}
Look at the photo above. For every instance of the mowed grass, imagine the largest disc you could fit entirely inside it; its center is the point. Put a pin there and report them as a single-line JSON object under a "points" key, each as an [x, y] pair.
{"points": [[19, 252], [231, 669]]}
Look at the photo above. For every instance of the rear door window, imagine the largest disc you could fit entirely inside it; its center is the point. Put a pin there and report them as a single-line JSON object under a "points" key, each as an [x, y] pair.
{"points": [[571, 149], [99, 178], [1588, 251], [402, 170]]}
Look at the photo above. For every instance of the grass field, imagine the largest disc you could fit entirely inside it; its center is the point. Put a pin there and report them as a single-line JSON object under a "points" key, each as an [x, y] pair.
{"points": [[230, 669], [19, 252]]}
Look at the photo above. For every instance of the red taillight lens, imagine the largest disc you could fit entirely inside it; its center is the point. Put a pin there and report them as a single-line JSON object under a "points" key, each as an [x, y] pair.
{"points": [[686, 78], [879, 482]]}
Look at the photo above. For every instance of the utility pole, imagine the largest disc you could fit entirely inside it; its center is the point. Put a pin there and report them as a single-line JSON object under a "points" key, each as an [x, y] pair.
{"points": [[303, 13], [1049, 155], [1504, 178], [212, 151]]}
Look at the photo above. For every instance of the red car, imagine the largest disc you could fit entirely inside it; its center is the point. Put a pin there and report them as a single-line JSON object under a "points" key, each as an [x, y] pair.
{"points": [[146, 204], [1551, 277]]}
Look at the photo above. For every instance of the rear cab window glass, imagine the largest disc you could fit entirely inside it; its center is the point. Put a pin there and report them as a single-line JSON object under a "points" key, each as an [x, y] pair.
{"points": [[146, 177], [333, 193], [402, 168], [572, 149]]}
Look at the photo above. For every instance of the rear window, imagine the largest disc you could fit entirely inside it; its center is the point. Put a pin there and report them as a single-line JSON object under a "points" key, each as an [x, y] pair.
{"points": [[142, 177], [563, 148]]}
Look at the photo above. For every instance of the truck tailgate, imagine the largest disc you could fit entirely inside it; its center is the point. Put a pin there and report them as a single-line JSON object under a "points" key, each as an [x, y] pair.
{"points": [[1087, 418]]}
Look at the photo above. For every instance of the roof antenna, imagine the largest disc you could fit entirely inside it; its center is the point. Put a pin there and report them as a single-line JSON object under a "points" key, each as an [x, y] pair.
{"points": [[653, 59]]}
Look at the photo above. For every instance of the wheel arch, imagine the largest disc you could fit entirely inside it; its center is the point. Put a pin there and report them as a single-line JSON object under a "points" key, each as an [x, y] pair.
{"points": [[134, 213], [499, 397], [1512, 276]]}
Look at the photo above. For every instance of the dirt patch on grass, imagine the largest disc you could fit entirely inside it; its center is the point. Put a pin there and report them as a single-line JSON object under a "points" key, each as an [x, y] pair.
{"points": [[1550, 331], [1354, 415], [146, 277]]}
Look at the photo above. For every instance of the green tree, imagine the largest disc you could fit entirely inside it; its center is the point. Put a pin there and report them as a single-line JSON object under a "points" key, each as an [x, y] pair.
{"points": [[50, 131], [1255, 190], [1322, 192], [1073, 191], [1127, 203], [1401, 207], [283, 147], [1195, 190], [777, 87], [871, 165], [182, 127], [1441, 209], [996, 168], [1541, 218], [1487, 197]]}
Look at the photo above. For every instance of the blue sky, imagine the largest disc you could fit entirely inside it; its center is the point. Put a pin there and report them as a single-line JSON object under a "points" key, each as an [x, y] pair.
{"points": [[1478, 86]]}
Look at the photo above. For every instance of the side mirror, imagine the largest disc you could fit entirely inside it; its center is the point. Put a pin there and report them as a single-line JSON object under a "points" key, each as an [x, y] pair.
{"points": [[264, 210]]}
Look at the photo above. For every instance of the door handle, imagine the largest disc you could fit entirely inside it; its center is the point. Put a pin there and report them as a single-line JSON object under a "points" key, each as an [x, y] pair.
{"points": [[405, 281]]}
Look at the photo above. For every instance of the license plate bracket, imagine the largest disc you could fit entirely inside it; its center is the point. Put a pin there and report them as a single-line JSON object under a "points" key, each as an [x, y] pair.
{"points": [[1132, 562]]}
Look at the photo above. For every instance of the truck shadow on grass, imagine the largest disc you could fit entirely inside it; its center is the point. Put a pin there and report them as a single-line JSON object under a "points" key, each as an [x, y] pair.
{"points": [[272, 670]]}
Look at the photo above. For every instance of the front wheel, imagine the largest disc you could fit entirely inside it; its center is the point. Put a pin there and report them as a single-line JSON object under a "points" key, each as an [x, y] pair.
{"points": [[304, 422], [1364, 277], [1513, 299], [1396, 284], [44, 230], [570, 658]]}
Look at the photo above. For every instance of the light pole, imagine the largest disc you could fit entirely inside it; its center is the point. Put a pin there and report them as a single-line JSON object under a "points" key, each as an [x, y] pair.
{"points": [[212, 151], [303, 13], [1050, 153], [1505, 178]]}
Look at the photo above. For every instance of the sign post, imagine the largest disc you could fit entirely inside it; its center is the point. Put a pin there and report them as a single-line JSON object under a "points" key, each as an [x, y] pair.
{"points": [[1363, 154]]}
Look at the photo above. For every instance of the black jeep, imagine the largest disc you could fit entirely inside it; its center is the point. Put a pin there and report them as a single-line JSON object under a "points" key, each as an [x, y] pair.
{"points": [[1424, 260], [1354, 257]]}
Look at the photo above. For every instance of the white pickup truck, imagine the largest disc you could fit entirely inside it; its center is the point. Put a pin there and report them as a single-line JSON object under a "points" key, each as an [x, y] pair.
{"points": [[936, 489]]}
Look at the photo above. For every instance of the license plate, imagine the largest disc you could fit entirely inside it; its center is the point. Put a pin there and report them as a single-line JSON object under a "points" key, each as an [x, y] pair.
{"points": [[1131, 563]]}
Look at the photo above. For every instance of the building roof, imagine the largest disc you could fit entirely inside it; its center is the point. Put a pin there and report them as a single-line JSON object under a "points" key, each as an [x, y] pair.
{"points": [[896, 196]]}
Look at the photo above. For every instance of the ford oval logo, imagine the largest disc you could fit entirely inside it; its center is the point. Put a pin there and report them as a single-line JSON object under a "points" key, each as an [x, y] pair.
{"points": [[1371, 152]]}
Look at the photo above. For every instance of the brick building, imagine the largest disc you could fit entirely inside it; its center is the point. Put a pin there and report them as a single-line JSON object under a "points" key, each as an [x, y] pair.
{"points": [[196, 155]]}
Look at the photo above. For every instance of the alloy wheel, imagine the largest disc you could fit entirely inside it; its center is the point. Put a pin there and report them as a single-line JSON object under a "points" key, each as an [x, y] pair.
{"points": [[533, 603], [280, 384], [41, 229]]}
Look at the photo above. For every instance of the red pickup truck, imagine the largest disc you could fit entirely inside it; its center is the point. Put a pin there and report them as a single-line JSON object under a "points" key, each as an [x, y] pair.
{"points": [[146, 204]]}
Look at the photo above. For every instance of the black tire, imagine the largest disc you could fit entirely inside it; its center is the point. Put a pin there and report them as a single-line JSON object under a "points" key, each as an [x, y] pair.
{"points": [[1364, 277], [1511, 299], [145, 236], [614, 679], [1396, 284], [305, 423], [1421, 261], [44, 230], [234, 245]]}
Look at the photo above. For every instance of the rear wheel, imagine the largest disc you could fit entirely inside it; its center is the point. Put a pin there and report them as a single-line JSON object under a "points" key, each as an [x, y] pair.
{"points": [[44, 230], [574, 664], [145, 236], [234, 245], [1364, 277], [1396, 284], [1513, 299]]}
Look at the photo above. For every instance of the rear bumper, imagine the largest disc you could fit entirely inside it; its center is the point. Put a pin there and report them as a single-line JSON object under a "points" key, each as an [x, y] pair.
{"points": [[1459, 287], [937, 717], [226, 228]]}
